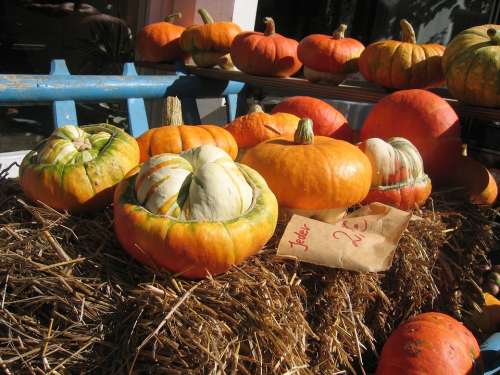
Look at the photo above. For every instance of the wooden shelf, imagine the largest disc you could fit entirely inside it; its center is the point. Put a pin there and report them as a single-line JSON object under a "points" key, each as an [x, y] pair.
{"points": [[349, 90]]}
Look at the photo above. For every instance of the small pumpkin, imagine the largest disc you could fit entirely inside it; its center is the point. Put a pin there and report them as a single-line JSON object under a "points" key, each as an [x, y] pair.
{"points": [[329, 58], [430, 343], [174, 137], [327, 120], [398, 177], [196, 213], [160, 41], [210, 43], [471, 65], [427, 121], [77, 168], [488, 319], [312, 175], [265, 54], [403, 64]]}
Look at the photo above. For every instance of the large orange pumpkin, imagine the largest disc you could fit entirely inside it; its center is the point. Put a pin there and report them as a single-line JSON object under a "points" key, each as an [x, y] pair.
{"points": [[196, 213], [312, 175], [427, 121], [398, 177], [403, 64], [327, 120], [431, 344], [265, 54], [209, 44], [174, 137], [160, 41], [77, 168], [329, 58]]}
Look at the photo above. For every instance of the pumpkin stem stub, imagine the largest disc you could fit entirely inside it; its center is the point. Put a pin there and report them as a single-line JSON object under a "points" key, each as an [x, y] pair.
{"points": [[172, 17], [172, 113], [339, 33], [494, 35], [407, 32], [255, 107], [82, 144], [270, 26], [205, 16], [304, 134]]}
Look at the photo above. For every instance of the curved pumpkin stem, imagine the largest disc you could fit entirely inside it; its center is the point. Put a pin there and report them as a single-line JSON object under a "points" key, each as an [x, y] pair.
{"points": [[340, 32], [172, 111], [304, 134], [205, 16], [172, 17], [494, 35], [407, 32], [270, 26]]}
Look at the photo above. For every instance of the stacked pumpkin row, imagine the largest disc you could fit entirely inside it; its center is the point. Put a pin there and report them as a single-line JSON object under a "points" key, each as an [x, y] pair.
{"points": [[469, 64]]}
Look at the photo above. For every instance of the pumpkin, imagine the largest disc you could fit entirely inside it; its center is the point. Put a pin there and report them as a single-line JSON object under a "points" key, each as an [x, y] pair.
{"points": [[398, 177], [329, 58], [77, 168], [160, 41], [311, 175], [173, 137], [488, 319], [327, 120], [209, 44], [403, 64], [265, 54], [427, 121], [196, 213], [430, 343], [471, 63]]}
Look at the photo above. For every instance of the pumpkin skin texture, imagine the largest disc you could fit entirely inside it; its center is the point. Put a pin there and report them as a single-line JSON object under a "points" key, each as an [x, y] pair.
{"points": [[403, 64], [329, 58], [189, 240], [160, 41], [424, 119], [265, 54], [327, 120], [471, 63], [430, 344], [312, 173], [398, 177], [209, 44], [77, 168]]}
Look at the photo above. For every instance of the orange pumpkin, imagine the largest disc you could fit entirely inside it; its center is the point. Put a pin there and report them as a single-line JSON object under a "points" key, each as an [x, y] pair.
{"points": [[427, 121], [265, 54], [329, 58], [327, 120], [209, 44], [174, 137], [398, 177], [160, 41], [430, 343], [312, 175], [403, 64]]}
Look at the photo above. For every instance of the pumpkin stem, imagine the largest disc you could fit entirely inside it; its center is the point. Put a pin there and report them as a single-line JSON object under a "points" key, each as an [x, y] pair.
{"points": [[270, 26], [407, 32], [82, 144], [304, 134], [494, 35], [255, 107], [340, 32], [172, 17], [205, 16], [172, 111]]}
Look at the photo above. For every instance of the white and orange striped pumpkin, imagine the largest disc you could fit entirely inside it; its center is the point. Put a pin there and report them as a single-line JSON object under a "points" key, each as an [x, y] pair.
{"points": [[194, 213]]}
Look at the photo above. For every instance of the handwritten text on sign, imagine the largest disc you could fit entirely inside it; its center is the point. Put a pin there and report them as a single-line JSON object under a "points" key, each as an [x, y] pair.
{"points": [[364, 241]]}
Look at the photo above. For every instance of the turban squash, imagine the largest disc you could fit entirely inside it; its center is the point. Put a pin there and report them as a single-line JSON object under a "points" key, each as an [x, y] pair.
{"points": [[329, 58], [471, 63], [196, 213], [160, 41], [311, 175], [398, 177], [77, 168], [403, 64], [174, 137]]}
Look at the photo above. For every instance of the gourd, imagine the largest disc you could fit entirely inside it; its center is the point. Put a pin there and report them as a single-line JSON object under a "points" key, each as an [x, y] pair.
{"points": [[196, 213], [77, 168]]}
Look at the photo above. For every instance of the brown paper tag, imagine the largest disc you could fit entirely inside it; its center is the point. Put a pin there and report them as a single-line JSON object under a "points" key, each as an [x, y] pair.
{"points": [[363, 241]]}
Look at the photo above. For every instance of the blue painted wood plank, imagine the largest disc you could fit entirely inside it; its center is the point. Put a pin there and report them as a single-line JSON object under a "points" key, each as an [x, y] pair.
{"points": [[64, 111], [231, 105], [137, 118]]}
